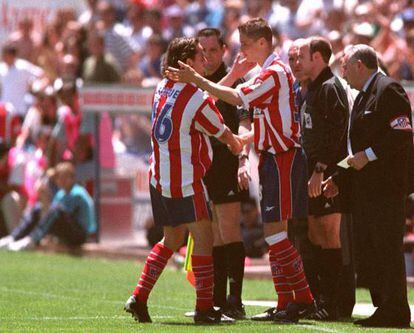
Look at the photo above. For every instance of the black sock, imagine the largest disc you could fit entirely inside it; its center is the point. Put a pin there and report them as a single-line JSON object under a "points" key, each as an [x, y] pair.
{"points": [[220, 275], [235, 263], [311, 254], [330, 275]]}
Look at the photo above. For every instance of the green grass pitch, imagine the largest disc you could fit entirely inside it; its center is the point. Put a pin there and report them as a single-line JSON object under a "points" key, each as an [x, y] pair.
{"points": [[58, 293]]}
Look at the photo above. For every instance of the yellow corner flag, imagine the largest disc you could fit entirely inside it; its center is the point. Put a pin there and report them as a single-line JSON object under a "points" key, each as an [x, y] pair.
{"points": [[187, 262]]}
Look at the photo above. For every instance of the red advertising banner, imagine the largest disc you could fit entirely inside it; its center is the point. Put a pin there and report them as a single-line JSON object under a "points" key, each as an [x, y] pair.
{"points": [[116, 98]]}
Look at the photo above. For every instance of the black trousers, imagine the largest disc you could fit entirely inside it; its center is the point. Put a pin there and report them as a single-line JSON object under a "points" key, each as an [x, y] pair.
{"points": [[379, 224]]}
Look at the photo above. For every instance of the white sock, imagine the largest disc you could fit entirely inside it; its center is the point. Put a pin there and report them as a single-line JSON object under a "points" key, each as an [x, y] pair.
{"points": [[276, 238]]}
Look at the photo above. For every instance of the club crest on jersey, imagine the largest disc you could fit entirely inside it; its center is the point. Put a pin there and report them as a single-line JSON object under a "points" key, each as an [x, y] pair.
{"points": [[153, 272], [401, 123]]}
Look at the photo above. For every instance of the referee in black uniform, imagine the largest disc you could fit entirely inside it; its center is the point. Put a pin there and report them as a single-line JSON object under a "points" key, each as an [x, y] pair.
{"points": [[324, 123], [224, 192]]}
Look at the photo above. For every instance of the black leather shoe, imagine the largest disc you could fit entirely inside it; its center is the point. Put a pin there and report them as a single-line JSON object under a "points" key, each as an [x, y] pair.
{"points": [[378, 320], [267, 315], [360, 321], [294, 312], [385, 322], [138, 310]]}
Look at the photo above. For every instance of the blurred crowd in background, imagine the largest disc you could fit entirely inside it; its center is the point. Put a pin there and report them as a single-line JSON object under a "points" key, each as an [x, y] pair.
{"points": [[131, 35], [122, 41]]}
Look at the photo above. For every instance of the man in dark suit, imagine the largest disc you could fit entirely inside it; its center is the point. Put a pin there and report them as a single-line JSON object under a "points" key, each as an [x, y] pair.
{"points": [[380, 139]]}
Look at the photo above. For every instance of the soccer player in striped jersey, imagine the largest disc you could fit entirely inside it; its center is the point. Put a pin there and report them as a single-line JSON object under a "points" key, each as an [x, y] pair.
{"points": [[183, 117], [282, 168]]}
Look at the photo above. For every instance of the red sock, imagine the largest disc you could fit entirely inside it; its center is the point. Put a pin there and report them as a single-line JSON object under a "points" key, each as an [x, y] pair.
{"points": [[282, 287], [204, 281], [156, 261], [292, 267]]}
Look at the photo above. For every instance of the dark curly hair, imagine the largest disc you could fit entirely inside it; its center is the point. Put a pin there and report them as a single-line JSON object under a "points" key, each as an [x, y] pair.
{"points": [[182, 48]]}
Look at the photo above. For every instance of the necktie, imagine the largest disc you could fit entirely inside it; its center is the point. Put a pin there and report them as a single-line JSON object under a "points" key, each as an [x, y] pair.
{"points": [[355, 108], [358, 100]]}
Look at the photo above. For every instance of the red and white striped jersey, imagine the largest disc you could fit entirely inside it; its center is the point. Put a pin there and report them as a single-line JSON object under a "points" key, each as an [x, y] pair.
{"points": [[275, 118], [10, 123], [183, 117]]}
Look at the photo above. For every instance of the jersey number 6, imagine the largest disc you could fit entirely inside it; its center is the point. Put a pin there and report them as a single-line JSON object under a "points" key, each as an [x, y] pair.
{"points": [[163, 126]]}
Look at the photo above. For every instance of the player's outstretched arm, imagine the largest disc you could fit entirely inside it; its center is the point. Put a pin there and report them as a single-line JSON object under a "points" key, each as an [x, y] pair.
{"points": [[233, 141], [187, 74]]}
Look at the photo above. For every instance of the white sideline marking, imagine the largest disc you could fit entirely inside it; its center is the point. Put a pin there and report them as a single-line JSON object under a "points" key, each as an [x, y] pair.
{"points": [[78, 318], [360, 309], [48, 295], [318, 328]]}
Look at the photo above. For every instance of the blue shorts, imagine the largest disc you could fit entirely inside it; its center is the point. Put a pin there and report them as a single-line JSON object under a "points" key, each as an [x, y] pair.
{"points": [[283, 186], [170, 212]]}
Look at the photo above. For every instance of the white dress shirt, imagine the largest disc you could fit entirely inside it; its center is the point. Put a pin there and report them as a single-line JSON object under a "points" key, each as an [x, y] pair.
{"points": [[15, 82]]}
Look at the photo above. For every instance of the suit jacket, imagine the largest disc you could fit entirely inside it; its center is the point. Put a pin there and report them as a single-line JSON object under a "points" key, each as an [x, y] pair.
{"points": [[382, 121]]}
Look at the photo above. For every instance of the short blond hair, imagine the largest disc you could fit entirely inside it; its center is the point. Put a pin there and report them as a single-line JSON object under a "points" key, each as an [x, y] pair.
{"points": [[257, 28]]}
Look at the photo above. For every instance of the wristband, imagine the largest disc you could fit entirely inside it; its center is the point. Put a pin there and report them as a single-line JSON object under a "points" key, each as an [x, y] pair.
{"points": [[319, 168]]}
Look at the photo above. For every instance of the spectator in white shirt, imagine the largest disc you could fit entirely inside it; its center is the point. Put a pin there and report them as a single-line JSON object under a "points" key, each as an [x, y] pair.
{"points": [[16, 76], [115, 43], [134, 27], [176, 26]]}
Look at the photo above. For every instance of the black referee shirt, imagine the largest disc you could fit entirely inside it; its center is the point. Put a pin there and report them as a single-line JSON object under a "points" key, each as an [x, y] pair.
{"points": [[231, 114], [325, 120]]}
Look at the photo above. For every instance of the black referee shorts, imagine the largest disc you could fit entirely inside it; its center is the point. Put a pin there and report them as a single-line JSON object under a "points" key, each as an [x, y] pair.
{"points": [[221, 178]]}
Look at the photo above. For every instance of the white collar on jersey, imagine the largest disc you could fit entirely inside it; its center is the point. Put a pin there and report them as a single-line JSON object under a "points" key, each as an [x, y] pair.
{"points": [[269, 60]]}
